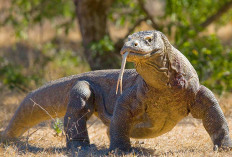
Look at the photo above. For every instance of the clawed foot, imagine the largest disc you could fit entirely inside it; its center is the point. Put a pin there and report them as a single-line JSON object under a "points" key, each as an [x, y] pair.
{"points": [[118, 152], [131, 152], [77, 145], [222, 148], [224, 144], [125, 147]]}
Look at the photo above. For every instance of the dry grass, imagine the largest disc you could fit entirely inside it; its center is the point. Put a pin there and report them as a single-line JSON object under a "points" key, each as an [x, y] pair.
{"points": [[188, 138]]}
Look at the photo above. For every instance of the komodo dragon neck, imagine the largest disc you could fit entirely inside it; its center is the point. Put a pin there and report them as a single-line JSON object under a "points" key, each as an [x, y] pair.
{"points": [[155, 70]]}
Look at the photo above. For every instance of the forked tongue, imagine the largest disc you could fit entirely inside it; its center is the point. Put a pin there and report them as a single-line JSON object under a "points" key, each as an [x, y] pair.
{"points": [[124, 56]]}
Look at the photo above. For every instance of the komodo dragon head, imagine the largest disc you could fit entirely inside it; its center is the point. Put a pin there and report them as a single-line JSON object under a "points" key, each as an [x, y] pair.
{"points": [[143, 46]]}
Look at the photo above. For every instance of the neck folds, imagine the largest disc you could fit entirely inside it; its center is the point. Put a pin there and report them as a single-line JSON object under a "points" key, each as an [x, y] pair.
{"points": [[154, 71]]}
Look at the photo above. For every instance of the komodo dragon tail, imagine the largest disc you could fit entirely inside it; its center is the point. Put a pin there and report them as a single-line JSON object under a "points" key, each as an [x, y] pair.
{"points": [[45, 103]]}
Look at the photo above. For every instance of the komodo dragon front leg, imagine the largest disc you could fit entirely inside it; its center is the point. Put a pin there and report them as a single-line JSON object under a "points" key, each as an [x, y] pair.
{"points": [[207, 108], [127, 108], [80, 108]]}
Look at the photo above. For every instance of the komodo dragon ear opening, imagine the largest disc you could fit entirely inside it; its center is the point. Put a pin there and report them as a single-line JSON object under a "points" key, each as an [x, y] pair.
{"points": [[124, 56]]}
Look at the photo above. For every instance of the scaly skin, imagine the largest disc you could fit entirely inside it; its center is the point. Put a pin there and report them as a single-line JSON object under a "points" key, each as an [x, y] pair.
{"points": [[162, 90]]}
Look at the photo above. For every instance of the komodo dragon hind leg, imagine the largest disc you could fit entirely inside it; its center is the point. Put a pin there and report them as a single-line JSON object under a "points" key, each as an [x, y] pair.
{"points": [[207, 108], [79, 109]]}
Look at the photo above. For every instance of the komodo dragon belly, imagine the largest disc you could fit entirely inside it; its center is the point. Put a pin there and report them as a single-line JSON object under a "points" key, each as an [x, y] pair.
{"points": [[162, 113]]}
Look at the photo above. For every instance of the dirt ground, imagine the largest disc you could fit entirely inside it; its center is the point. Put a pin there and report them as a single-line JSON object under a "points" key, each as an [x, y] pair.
{"points": [[188, 138]]}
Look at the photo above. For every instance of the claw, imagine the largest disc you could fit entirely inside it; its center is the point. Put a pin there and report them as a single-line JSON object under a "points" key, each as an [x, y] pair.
{"points": [[121, 72]]}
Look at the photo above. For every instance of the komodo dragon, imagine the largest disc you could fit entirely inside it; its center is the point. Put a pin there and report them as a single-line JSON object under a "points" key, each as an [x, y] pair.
{"points": [[161, 90]]}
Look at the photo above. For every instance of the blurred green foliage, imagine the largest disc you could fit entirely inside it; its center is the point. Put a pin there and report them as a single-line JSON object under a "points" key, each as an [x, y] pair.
{"points": [[64, 60], [24, 14], [181, 19], [211, 60], [125, 12], [103, 45], [13, 76]]}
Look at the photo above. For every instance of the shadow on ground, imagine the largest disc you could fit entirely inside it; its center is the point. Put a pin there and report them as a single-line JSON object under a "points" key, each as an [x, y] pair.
{"points": [[24, 148]]}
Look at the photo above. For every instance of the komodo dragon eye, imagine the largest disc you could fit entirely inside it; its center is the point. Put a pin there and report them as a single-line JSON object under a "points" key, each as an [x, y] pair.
{"points": [[149, 39]]}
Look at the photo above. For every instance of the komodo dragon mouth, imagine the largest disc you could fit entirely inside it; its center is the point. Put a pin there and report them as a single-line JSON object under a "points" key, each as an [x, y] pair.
{"points": [[125, 53], [139, 53]]}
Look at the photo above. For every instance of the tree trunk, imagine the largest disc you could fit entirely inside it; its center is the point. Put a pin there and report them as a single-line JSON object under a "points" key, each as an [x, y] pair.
{"points": [[92, 18]]}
